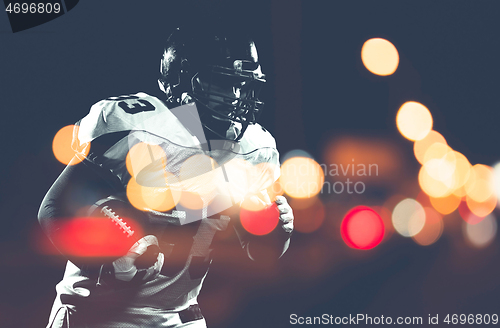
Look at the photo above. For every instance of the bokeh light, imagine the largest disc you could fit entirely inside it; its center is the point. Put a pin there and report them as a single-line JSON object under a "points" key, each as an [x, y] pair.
{"points": [[362, 228], [461, 173], [65, 147], [260, 222], [421, 146], [255, 203], [484, 208], [373, 160], [442, 169], [94, 238], [262, 176], [460, 192], [432, 229], [443, 172], [496, 179], [380, 56], [275, 189], [438, 151], [481, 234], [301, 177], [467, 215], [433, 187], [414, 121], [295, 153], [191, 200], [479, 186], [198, 176], [408, 217], [134, 195], [307, 217], [144, 155], [446, 205], [155, 198]]}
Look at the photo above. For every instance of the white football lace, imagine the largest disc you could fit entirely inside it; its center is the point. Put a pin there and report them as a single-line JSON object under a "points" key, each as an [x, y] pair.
{"points": [[116, 219]]}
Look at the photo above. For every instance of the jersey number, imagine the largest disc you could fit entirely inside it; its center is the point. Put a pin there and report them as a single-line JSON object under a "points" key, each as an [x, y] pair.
{"points": [[132, 107]]}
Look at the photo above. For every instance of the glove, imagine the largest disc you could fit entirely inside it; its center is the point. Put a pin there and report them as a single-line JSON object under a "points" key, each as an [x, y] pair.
{"points": [[143, 261]]}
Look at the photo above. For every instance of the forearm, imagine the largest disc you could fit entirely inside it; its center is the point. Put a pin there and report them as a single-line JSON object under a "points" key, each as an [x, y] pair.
{"points": [[76, 189]]}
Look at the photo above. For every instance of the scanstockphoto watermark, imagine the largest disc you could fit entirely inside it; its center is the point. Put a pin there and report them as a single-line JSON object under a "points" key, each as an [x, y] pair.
{"points": [[365, 319], [305, 178], [357, 319]]}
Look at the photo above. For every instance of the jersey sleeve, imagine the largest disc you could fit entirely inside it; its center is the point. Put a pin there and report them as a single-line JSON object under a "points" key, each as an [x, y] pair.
{"points": [[108, 127]]}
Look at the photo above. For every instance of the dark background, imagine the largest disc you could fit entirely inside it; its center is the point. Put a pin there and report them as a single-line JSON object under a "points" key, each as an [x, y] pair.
{"points": [[317, 90]]}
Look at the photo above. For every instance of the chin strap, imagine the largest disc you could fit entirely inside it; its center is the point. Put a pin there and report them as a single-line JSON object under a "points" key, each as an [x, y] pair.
{"points": [[187, 98]]}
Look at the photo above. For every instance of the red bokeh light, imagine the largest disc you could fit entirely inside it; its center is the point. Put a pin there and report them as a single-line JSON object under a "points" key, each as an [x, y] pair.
{"points": [[362, 228], [467, 215], [95, 237], [260, 222]]}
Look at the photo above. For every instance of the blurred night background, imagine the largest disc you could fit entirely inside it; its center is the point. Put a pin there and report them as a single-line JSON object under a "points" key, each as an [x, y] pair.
{"points": [[320, 98]]}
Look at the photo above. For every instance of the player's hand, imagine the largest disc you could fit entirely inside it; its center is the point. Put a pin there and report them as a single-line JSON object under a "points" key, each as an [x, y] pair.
{"points": [[286, 214], [142, 262]]}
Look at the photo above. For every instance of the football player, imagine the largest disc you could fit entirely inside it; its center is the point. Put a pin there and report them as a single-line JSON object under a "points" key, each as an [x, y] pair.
{"points": [[203, 143]]}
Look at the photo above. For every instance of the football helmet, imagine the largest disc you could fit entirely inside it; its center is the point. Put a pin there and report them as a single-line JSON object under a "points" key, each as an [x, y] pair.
{"points": [[218, 70]]}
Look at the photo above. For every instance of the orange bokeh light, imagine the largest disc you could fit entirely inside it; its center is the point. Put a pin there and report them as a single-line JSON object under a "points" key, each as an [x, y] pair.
{"points": [[444, 172], [301, 177], [62, 146], [275, 189], [155, 198], [191, 200], [380, 56], [479, 186], [421, 146], [484, 208], [143, 155], [433, 187], [414, 121], [446, 205], [370, 159], [462, 170], [460, 192], [438, 151]]}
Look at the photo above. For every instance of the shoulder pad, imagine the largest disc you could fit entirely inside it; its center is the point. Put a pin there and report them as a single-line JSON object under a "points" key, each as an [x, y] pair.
{"points": [[256, 137], [137, 112]]}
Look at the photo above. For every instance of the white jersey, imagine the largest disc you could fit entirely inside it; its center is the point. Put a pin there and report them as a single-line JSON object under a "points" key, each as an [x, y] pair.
{"points": [[248, 166]]}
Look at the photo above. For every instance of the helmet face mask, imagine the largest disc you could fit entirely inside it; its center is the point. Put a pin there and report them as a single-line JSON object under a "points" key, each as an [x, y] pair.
{"points": [[229, 94], [220, 73]]}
